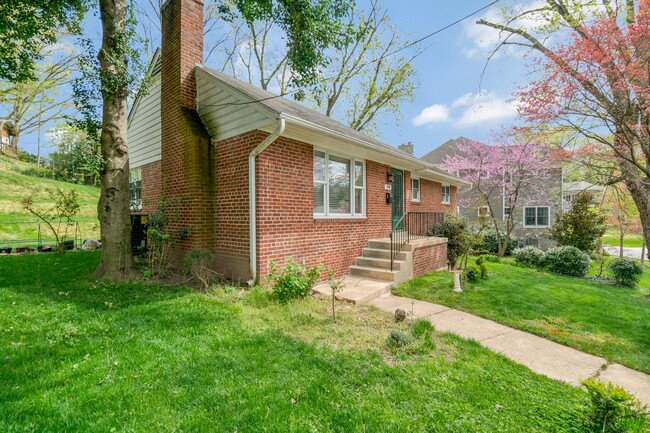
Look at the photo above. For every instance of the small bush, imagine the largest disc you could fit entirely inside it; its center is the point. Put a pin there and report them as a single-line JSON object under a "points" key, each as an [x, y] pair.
{"points": [[492, 258], [612, 410], [530, 257], [491, 245], [626, 272], [473, 273], [293, 281], [602, 279], [568, 260], [422, 328], [398, 339]]}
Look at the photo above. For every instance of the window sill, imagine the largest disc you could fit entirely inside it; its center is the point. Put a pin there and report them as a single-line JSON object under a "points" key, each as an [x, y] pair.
{"points": [[536, 227], [446, 203], [339, 217], [415, 201]]}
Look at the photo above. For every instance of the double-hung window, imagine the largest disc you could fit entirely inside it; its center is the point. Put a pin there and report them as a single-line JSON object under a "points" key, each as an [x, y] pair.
{"points": [[446, 194], [339, 185], [135, 188], [536, 216], [415, 189]]}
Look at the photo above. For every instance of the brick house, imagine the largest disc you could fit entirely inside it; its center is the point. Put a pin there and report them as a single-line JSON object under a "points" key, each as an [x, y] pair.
{"points": [[265, 178], [532, 216], [7, 138]]}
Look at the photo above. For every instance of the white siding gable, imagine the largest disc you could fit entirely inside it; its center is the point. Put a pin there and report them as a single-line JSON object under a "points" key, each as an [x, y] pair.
{"points": [[145, 129]]}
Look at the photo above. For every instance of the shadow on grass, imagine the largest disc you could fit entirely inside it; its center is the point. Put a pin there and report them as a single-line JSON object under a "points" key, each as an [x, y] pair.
{"points": [[69, 278]]}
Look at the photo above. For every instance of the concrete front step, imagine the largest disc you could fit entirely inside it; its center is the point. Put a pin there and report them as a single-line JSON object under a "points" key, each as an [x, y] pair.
{"points": [[372, 273], [381, 253], [355, 290], [374, 262]]}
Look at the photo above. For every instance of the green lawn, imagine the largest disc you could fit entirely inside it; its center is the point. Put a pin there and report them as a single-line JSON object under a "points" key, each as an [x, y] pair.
{"points": [[19, 228], [629, 240], [608, 321], [77, 355]]}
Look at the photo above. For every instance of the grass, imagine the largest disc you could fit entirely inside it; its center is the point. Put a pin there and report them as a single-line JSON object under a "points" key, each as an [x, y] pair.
{"points": [[603, 320], [19, 228], [629, 241], [78, 355]]}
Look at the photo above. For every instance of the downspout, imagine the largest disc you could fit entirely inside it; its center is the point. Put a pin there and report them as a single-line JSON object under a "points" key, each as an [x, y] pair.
{"points": [[252, 208]]}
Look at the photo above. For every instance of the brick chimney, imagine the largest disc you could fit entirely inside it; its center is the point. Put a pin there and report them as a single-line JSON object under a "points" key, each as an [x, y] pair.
{"points": [[406, 148], [187, 161]]}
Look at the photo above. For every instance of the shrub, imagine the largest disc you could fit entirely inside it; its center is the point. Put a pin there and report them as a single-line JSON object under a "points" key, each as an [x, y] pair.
{"points": [[293, 281], [492, 258], [530, 256], [491, 245], [480, 262], [567, 260], [611, 409], [626, 272], [582, 226], [454, 229], [422, 329], [398, 339], [473, 273], [602, 279]]}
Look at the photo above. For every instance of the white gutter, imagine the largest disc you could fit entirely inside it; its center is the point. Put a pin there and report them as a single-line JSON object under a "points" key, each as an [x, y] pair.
{"points": [[252, 208]]}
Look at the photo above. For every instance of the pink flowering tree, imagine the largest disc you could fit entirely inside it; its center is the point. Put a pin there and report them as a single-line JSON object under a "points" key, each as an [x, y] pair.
{"points": [[503, 175], [594, 85]]}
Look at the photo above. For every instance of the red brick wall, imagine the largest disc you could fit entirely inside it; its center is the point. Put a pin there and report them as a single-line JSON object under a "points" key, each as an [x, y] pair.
{"points": [[151, 186], [428, 259], [231, 214], [186, 152], [430, 196]]}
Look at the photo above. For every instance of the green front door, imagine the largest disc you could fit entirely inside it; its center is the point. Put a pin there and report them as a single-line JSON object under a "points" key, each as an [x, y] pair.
{"points": [[397, 204]]}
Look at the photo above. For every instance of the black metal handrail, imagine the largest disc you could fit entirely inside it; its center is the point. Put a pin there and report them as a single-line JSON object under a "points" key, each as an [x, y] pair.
{"points": [[413, 225]]}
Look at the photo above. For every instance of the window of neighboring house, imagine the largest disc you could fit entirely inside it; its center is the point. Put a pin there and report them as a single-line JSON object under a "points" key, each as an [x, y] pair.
{"points": [[339, 186], [506, 211], [484, 211], [135, 188], [446, 194], [536, 216], [415, 189], [569, 198]]}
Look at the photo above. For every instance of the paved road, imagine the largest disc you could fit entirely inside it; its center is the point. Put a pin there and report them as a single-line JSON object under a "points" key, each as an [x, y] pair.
{"points": [[634, 253]]}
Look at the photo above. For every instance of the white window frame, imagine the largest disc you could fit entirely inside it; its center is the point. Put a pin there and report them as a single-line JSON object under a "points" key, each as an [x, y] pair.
{"points": [[509, 209], [536, 216], [442, 190], [413, 198], [353, 187]]}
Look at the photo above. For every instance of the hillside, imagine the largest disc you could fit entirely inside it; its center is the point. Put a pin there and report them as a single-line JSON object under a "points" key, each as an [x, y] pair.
{"points": [[18, 228]]}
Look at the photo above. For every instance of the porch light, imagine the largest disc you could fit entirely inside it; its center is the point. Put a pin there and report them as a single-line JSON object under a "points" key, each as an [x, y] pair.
{"points": [[389, 177]]}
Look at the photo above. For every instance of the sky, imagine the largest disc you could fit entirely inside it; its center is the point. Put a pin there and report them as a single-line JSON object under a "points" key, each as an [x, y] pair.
{"points": [[459, 92]]}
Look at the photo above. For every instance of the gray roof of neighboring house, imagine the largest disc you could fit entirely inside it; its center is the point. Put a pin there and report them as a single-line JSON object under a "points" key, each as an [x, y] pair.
{"points": [[282, 105], [438, 155]]}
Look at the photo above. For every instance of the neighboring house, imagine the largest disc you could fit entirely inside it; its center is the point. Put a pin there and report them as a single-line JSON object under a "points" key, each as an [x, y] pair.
{"points": [[7, 141], [571, 189], [532, 217], [264, 178]]}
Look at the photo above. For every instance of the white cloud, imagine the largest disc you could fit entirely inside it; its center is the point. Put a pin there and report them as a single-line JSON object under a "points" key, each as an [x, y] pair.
{"points": [[484, 40], [435, 113], [483, 108]]}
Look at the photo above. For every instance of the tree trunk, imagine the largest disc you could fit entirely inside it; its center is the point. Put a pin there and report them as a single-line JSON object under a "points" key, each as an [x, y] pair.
{"points": [[116, 263], [640, 192], [621, 237]]}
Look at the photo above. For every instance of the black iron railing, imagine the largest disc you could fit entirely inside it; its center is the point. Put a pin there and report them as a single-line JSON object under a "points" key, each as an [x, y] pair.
{"points": [[413, 225]]}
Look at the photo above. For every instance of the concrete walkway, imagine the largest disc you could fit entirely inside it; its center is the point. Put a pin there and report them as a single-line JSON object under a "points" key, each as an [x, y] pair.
{"points": [[539, 354]]}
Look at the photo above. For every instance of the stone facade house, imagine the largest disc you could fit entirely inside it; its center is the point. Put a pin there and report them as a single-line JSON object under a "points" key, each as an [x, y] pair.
{"points": [[532, 217], [264, 178]]}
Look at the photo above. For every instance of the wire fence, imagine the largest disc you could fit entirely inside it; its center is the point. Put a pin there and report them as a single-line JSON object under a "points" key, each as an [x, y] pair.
{"points": [[28, 236]]}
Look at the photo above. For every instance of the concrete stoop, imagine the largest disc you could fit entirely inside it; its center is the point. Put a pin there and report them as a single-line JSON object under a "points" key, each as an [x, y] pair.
{"points": [[355, 290], [374, 263]]}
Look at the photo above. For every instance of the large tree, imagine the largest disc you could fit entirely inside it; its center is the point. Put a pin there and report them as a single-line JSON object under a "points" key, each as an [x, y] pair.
{"points": [[595, 83], [28, 25]]}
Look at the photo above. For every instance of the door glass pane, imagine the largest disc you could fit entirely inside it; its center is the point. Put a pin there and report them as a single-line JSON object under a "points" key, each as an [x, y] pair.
{"points": [[319, 198], [542, 216], [339, 185], [319, 166], [530, 216]]}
